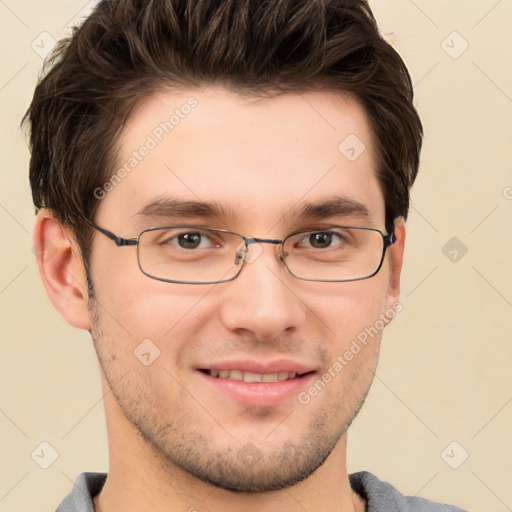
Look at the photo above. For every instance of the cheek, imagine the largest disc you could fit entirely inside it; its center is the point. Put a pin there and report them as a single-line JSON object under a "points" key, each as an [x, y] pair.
{"points": [[143, 306], [349, 309]]}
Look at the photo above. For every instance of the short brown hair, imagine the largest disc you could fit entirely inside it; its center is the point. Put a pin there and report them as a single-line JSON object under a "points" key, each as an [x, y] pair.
{"points": [[128, 49]]}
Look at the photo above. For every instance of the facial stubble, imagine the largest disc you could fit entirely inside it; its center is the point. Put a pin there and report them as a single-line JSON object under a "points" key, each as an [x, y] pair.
{"points": [[179, 433]]}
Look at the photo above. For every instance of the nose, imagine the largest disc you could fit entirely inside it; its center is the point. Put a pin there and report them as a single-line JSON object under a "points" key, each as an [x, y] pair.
{"points": [[261, 301]]}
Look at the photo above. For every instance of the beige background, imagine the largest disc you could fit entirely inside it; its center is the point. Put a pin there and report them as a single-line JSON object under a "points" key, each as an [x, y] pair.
{"points": [[444, 374]]}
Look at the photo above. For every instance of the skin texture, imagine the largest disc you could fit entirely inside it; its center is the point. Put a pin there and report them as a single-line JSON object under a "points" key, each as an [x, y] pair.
{"points": [[174, 442]]}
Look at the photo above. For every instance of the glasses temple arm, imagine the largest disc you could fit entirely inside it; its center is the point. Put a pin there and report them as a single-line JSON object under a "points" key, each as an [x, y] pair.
{"points": [[390, 238], [118, 240]]}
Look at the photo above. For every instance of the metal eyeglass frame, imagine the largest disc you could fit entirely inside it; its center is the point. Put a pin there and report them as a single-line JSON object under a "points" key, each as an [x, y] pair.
{"points": [[388, 240]]}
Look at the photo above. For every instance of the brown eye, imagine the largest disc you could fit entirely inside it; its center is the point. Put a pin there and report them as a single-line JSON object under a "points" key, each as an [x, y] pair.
{"points": [[320, 240], [178, 239], [189, 240]]}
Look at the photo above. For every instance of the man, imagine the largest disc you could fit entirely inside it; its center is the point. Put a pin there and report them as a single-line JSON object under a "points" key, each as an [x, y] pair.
{"points": [[224, 188]]}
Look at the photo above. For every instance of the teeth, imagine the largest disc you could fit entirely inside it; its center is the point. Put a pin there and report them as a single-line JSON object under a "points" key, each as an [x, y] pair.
{"points": [[252, 377], [236, 375]]}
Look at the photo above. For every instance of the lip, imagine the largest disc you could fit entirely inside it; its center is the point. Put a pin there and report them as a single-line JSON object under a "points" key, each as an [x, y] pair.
{"points": [[259, 394], [254, 366]]}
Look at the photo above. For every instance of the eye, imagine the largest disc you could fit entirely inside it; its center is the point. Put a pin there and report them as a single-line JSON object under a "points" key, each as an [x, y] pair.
{"points": [[321, 240], [189, 240]]}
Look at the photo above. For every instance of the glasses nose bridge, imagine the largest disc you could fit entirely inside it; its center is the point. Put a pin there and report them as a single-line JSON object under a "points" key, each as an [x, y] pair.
{"points": [[254, 240]]}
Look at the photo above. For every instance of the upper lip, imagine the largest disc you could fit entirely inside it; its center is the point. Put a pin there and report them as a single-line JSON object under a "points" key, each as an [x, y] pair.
{"points": [[253, 366]]}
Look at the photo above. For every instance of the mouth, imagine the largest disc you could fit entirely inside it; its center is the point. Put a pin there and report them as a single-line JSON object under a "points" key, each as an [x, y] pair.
{"points": [[245, 376], [255, 384]]}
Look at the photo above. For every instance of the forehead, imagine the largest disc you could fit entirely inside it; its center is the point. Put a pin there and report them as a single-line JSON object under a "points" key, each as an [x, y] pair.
{"points": [[259, 159]]}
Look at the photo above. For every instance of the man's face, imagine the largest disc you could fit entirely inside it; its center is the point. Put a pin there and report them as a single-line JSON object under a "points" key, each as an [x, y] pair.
{"points": [[261, 162]]}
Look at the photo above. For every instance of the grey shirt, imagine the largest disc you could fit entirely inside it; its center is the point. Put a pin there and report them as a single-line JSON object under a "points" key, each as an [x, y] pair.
{"points": [[380, 496]]}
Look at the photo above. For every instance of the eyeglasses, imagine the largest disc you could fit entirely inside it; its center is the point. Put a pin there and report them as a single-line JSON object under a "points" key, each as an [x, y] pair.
{"points": [[198, 255]]}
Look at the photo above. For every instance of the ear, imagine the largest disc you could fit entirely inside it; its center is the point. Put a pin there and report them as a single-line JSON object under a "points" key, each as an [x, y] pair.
{"points": [[61, 268], [395, 255]]}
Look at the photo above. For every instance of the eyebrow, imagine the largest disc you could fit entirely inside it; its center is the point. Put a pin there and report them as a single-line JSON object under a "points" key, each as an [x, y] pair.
{"points": [[173, 207], [325, 208], [331, 207]]}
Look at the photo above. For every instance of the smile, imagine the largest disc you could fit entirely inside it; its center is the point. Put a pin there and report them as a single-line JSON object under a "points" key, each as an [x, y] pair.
{"points": [[245, 376]]}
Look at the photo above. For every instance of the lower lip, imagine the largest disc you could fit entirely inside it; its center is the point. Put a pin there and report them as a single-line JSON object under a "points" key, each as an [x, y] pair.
{"points": [[259, 394]]}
